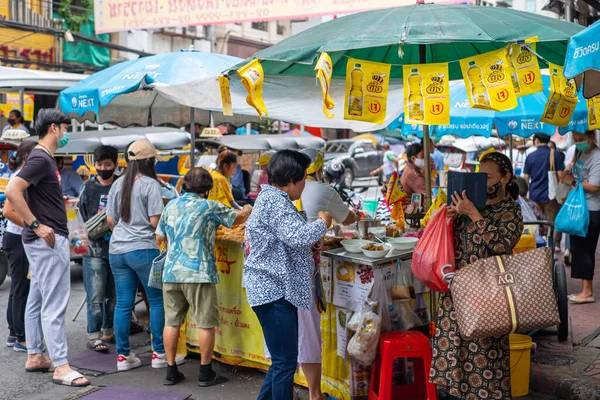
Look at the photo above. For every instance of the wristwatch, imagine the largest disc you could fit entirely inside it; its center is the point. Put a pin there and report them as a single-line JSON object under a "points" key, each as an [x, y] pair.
{"points": [[34, 224]]}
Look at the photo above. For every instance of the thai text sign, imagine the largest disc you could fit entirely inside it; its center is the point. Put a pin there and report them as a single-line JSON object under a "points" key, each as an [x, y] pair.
{"points": [[120, 15]]}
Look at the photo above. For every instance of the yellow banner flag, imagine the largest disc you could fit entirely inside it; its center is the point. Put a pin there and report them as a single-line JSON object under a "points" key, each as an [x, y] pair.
{"points": [[253, 76], [525, 71], [562, 100], [488, 82], [366, 91], [427, 94], [225, 95], [593, 106], [324, 71]]}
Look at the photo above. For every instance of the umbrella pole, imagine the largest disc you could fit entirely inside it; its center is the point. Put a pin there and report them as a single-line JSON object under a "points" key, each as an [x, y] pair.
{"points": [[510, 147], [426, 141], [192, 138]]}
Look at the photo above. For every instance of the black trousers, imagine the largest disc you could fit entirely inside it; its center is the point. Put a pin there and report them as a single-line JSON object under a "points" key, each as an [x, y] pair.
{"points": [[19, 285], [583, 250]]}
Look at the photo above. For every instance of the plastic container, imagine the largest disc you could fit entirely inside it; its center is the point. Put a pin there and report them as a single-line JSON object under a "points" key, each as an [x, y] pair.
{"points": [[526, 243], [370, 207], [520, 364]]}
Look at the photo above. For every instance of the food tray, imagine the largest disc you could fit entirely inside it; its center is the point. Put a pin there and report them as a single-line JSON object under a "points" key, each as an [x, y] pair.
{"points": [[359, 258]]}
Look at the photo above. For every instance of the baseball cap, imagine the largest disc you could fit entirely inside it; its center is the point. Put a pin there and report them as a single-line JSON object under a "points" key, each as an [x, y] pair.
{"points": [[142, 150]]}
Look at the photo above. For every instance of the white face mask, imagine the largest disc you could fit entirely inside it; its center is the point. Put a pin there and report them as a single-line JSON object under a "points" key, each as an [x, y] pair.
{"points": [[419, 162]]}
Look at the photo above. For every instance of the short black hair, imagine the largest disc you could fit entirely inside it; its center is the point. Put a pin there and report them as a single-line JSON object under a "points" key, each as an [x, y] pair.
{"points": [[545, 139], [106, 153], [48, 116], [17, 113], [197, 180], [287, 166], [413, 150], [523, 186]]}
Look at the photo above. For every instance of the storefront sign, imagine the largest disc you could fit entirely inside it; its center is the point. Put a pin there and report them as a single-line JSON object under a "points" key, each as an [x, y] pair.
{"points": [[20, 50], [426, 94], [562, 100], [488, 82], [324, 71], [366, 91], [121, 15], [13, 103], [593, 106], [525, 71]]}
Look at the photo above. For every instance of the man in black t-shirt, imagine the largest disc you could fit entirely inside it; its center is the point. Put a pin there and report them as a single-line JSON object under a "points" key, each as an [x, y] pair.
{"points": [[36, 196]]}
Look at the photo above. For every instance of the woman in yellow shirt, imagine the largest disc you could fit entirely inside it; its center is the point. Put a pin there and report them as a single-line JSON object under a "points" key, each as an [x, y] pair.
{"points": [[221, 191]]}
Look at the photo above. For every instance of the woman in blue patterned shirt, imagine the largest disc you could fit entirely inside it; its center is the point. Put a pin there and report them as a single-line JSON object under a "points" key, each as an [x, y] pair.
{"points": [[279, 265]]}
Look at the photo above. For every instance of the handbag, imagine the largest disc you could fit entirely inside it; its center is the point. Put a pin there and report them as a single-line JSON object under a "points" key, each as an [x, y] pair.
{"points": [[97, 226], [155, 280], [500, 295]]}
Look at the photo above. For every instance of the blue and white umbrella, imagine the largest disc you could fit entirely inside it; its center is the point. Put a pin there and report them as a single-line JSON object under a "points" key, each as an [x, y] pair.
{"points": [[524, 120], [123, 94], [582, 61]]}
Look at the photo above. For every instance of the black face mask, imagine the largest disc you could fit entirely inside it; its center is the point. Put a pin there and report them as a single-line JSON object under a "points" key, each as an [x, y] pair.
{"points": [[105, 173], [495, 190], [11, 121]]}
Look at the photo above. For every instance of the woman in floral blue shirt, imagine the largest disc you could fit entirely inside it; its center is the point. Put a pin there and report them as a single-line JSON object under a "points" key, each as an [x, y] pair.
{"points": [[279, 266]]}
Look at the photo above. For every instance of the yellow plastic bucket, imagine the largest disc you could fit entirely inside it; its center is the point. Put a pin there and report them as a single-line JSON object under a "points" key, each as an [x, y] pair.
{"points": [[520, 363]]}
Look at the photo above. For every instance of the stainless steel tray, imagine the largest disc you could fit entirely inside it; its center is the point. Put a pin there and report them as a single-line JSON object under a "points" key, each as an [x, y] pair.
{"points": [[359, 258]]}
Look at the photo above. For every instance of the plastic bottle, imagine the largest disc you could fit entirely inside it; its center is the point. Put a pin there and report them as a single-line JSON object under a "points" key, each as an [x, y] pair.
{"points": [[415, 96], [479, 92], [555, 97], [355, 97]]}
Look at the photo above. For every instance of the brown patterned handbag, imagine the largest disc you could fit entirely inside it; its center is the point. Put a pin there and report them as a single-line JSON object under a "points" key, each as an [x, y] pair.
{"points": [[505, 294]]}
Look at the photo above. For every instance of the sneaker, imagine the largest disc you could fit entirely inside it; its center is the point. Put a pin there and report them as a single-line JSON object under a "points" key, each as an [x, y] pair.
{"points": [[125, 363], [160, 360], [10, 341], [20, 348]]}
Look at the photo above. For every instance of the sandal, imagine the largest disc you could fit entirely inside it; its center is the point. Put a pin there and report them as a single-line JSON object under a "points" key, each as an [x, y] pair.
{"points": [[69, 378], [174, 381], [217, 380], [98, 346]]}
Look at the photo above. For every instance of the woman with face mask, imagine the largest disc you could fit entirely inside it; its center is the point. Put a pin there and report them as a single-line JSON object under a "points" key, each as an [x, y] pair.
{"points": [[413, 177], [97, 276], [585, 170], [480, 367]]}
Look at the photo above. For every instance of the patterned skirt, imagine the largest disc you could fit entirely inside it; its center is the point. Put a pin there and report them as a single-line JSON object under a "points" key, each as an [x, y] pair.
{"points": [[468, 369]]}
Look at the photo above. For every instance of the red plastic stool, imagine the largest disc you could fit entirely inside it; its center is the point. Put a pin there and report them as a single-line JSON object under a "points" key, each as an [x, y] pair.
{"points": [[393, 345]]}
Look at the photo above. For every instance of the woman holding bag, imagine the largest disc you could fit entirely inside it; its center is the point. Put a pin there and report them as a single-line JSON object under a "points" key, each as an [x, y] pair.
{"points": [[586, 171], [479, 368]]}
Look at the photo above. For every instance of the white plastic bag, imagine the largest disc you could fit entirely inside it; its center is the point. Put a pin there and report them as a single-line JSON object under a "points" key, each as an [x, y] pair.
{"points": [[528, 215], [363, 345]]}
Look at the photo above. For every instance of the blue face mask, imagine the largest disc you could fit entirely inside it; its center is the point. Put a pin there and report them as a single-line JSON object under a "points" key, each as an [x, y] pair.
{"points": [[62, 142], [582, 146]]}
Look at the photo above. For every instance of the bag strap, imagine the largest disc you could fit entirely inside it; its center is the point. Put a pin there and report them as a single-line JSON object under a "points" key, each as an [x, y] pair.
{"points": [[510, 298], [552, 165]]}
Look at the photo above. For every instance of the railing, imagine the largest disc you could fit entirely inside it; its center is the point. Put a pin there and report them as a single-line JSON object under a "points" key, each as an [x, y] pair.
{"points": [[31, 12]]}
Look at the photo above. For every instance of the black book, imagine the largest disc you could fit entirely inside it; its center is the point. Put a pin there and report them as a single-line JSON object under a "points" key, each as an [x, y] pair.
{"points": [[475, 183]]}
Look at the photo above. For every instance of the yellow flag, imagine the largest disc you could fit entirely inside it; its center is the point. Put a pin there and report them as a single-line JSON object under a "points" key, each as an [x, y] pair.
{"points": [[394, 192], [593, 106], [225, 95], [427, 94], [253, 76], [366, 91], [524, 68], [562, 100], [488, 82], [324, 71]]}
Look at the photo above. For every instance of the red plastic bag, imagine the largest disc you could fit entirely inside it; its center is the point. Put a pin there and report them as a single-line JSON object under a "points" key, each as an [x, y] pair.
{"points": [[433, 255]]}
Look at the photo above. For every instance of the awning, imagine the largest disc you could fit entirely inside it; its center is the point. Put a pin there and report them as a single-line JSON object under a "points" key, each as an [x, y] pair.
{"points": [[13, 79]]}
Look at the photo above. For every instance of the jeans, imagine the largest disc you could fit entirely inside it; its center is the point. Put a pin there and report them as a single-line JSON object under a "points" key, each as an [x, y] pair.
{"points": [[279, 321], [128, 269], [19, 285], [100, 296]]}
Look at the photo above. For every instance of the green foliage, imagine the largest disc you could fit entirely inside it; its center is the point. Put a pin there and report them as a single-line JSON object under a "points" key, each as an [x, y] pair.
{"points": [[73, 20]]}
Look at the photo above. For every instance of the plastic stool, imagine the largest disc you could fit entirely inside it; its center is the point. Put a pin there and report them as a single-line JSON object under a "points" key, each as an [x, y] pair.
{"points": [[393, 345]]}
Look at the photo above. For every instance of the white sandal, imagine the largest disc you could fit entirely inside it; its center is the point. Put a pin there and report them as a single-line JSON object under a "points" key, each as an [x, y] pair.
{"points": [[69, 378]]}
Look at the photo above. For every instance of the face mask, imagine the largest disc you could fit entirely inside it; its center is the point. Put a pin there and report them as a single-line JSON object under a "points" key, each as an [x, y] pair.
{"points": [[62, 142], [105, 173], [495, 190], [582, 146], [11, 121], [419, 162]]}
